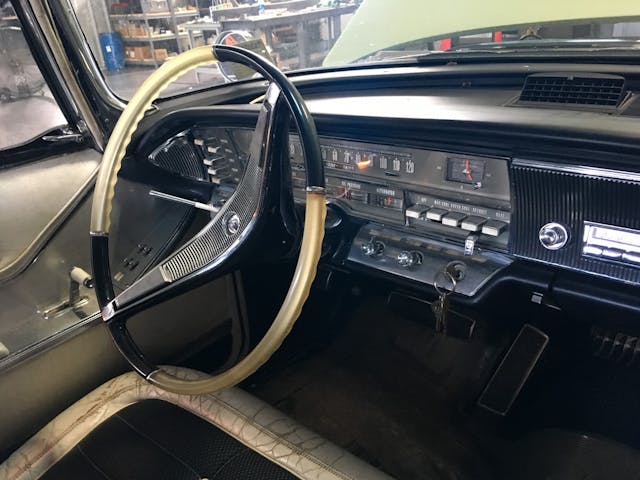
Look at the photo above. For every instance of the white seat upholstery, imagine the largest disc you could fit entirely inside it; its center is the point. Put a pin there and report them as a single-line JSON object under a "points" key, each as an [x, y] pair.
{"points": [[246, 418]]}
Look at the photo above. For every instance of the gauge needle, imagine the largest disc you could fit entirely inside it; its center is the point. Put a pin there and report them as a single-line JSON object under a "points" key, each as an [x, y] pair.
{"points": [[467, 170], [173, 198]]}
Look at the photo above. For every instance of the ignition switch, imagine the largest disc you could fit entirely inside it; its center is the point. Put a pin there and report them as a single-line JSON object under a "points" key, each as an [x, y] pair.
{"points": [[457, 270]]}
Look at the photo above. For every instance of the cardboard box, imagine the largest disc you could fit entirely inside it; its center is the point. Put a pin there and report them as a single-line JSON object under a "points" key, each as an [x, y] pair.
{"points": [[144, 52], [141, 31], [161, 54], [155, 6], [138, 53]]}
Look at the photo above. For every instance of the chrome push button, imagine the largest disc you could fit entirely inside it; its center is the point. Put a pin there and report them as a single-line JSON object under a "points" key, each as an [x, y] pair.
{"points": [[372, 248], [631, 258], [473, 223], [494, 228], [416, 211], [612, 254], [590, 250], [436, 214], [453, 219]]}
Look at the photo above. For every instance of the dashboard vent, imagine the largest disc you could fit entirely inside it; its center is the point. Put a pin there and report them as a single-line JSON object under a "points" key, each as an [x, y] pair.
{"points": [[591, 91], [178, 155]]}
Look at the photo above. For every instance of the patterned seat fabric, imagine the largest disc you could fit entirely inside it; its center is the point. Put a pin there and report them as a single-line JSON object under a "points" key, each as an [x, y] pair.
{"points": [[128, 428]]}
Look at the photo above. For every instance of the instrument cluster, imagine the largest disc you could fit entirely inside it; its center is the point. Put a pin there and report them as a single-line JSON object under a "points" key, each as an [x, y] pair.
{"points": [[446, 193]]}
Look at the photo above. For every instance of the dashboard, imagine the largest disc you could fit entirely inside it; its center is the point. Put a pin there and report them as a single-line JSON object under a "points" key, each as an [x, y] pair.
{"points": [[422, 210], [428, 184]]}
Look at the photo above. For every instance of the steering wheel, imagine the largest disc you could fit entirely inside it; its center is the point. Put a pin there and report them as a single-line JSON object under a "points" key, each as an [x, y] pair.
{"points": [[234, 224]]}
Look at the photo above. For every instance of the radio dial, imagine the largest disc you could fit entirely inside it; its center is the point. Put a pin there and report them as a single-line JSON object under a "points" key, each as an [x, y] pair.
{"points": [[553, 236]]}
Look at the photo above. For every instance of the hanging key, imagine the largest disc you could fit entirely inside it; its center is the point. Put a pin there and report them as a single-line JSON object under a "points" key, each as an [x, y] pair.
{"points": [[440, 307]]}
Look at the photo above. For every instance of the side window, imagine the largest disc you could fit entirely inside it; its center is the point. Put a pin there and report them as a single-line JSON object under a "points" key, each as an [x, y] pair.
{"points": [[27, 107]]}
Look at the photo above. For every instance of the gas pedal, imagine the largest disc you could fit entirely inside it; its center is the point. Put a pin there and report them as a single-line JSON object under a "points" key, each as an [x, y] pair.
{"points": [[514, 370]]}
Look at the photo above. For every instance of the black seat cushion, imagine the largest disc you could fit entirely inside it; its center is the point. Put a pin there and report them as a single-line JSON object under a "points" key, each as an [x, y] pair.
{"points": [[156, 440]]}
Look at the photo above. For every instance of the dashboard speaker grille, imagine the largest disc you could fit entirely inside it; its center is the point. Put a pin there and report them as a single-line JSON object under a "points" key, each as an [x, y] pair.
{"points": [[543, 195], [595, 91], [179, 156]]}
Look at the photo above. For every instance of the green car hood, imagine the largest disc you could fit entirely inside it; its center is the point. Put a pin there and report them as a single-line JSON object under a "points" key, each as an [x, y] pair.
{"points": [[381, 24]]}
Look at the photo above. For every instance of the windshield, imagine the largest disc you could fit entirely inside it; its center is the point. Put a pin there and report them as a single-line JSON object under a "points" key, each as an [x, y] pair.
{"points": [[131, 39]]}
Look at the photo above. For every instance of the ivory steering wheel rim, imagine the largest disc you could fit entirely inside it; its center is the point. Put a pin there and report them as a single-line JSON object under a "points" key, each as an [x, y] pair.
{"points": [[313, 233]]}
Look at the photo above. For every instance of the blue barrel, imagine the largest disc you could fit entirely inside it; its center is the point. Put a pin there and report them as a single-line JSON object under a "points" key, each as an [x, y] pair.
{"points": [[112, 50]]}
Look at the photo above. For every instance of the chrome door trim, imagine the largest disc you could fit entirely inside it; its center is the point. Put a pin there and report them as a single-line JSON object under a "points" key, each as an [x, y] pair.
{"points": [[54, 340], [88, 59]]}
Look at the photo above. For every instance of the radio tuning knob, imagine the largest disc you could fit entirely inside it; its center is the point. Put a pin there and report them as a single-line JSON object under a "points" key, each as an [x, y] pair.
{"points": [[553, 236], [409, 259], [372, 248]]}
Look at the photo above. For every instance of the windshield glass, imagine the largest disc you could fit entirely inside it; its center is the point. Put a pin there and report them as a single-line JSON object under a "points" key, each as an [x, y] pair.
{"points": [[130, 39]]}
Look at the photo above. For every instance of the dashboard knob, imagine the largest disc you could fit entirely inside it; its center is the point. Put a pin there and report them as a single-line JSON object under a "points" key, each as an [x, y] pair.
{"points": [[409, 259], [553, 236], [372, 248]]}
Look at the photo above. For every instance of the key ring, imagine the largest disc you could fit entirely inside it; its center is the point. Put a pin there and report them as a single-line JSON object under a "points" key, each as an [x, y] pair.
{"points": [[441, 290]]}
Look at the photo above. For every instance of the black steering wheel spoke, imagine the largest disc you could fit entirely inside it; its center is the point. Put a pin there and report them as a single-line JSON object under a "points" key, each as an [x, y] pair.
{"points": [[128, 347]]}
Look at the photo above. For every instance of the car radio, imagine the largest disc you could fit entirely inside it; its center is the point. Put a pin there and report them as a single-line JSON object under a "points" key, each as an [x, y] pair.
{"points": [[609, 242]]}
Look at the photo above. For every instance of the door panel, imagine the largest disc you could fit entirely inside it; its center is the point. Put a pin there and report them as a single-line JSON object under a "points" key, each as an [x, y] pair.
{"points": [[33, 195], [42, 385]]}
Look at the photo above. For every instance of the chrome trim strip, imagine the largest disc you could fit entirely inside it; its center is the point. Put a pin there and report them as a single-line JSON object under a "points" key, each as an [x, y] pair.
{"points": [[579, 170], [48, 343], [88, 60], [108, 312]]}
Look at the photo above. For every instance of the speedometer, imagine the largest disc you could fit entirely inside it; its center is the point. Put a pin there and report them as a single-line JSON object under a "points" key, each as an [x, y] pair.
{"points": [[465, 170]]}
